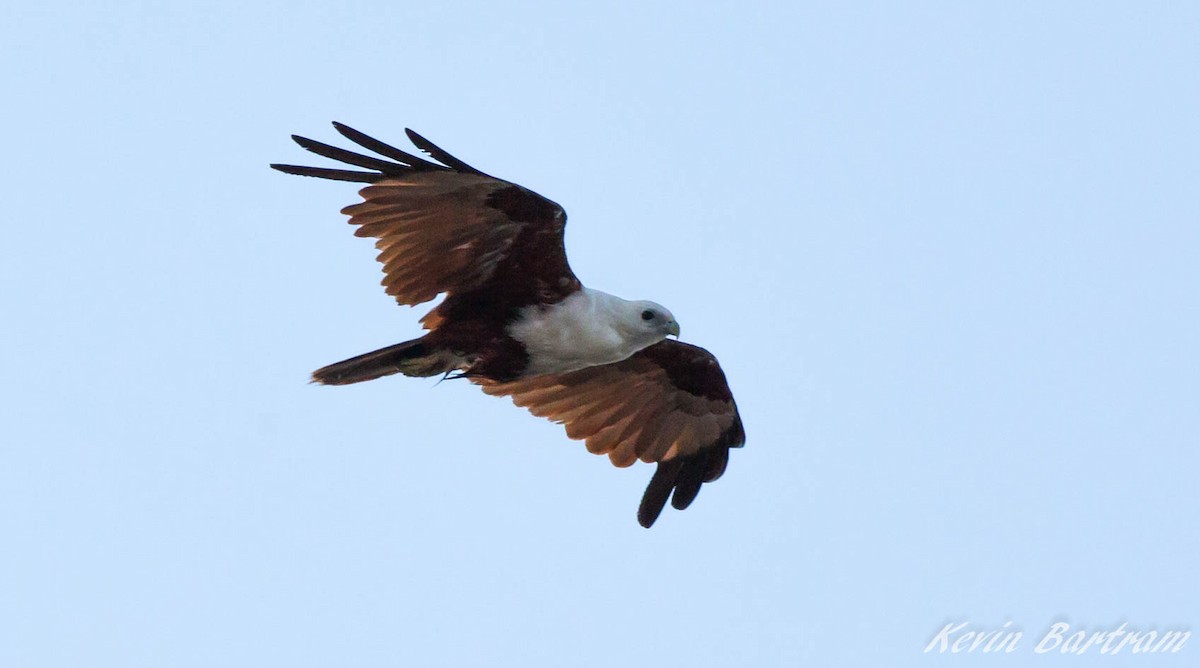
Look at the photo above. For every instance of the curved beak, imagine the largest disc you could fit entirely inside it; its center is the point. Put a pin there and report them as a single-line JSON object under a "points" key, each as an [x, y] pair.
{"points": [[673, 328]]}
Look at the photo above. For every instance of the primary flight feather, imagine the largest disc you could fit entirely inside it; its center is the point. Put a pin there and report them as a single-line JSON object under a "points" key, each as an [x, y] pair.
{"points": [[517, 322]]}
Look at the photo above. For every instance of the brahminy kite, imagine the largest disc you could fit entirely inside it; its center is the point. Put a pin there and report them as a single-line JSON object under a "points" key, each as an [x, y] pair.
{"points": [[516, 321]]}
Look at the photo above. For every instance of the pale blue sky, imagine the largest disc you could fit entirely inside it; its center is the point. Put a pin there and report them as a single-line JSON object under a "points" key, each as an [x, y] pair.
{"points": [[946, 252]]}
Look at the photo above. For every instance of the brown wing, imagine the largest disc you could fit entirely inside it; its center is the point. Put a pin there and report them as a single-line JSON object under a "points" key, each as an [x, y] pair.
{"points": [[445, 227], [668, 403]]}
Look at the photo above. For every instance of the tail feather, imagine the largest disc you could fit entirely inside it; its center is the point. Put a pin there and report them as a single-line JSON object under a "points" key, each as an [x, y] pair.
{"points": [[411, 358]]}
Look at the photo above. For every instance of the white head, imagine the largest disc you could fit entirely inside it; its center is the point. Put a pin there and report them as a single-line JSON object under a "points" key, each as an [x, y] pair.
{"points": [[589, 328], [647, 323]]}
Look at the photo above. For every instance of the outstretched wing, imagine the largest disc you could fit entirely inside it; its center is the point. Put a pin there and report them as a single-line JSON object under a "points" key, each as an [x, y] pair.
{"points": [[447, 227], [668, 403]]}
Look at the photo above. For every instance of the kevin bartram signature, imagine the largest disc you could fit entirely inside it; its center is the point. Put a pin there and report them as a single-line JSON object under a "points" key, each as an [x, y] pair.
{"points": [[1060, 638]]}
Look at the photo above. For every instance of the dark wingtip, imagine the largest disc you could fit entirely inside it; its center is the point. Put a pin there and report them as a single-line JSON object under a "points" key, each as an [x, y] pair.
{"points": [[421, 143], [687, 485], [332, 174], [304, 141], [345, 130], [437, 153], [680, 480], [372, 144], [648, 514], [290, 169], [658, 491]]}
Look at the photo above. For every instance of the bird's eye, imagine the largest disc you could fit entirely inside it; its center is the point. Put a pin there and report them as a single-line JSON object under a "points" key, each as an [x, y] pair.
{"points": [[647, 315]]}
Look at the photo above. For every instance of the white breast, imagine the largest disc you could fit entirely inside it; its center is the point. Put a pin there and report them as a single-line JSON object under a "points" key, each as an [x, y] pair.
{"points": [[585, 329]]}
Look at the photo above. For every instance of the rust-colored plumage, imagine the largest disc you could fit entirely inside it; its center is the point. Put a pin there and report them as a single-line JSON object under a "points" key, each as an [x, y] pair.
{"points": [[668, 403], [495, 250]]}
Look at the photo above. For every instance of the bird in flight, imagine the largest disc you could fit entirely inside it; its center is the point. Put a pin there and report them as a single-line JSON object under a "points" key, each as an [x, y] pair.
{"points": [[517, 322]]}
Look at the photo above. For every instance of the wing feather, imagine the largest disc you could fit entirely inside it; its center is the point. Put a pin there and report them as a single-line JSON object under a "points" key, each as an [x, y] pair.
{"points": [[669, 403], [594, 419], [447, 228], [326, 173], [372, 144], [438, 154], [349, 157]]}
